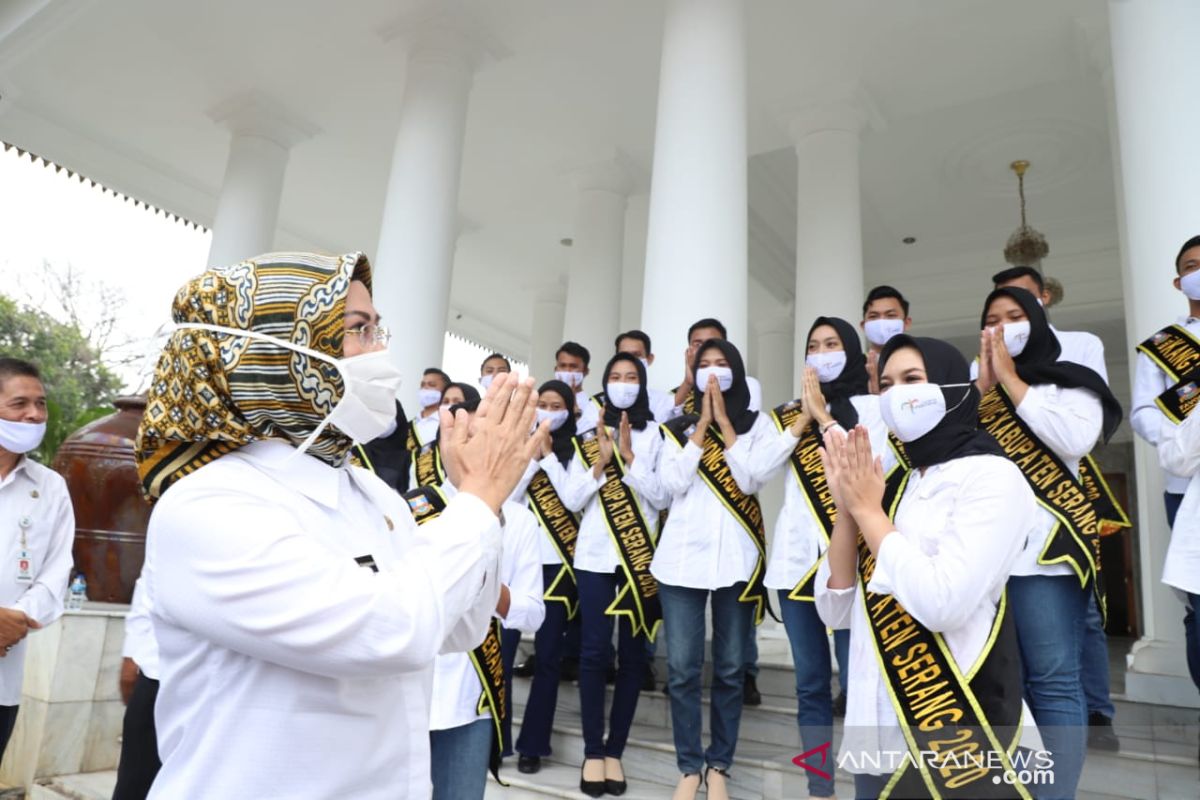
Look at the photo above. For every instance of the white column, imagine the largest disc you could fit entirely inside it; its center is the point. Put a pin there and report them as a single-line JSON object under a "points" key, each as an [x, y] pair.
{"points": [[829, 256], [546, 329], [248, 207], [772, 363], [417, 236], [696, 249], [1154, 77], [593, 308]]}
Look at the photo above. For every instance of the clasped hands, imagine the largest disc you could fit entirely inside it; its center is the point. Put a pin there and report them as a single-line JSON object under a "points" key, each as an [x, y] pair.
{"points": [[812, 405], [854, 475], [712, 409], [623, 445]]}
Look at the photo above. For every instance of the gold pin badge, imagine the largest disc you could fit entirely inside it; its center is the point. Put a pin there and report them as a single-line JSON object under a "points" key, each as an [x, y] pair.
{"points": [[34, 494], [388, 520]]}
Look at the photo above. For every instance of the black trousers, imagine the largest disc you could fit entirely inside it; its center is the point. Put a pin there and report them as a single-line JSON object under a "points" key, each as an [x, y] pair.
{"points": [[139, 743], [8, 718]]}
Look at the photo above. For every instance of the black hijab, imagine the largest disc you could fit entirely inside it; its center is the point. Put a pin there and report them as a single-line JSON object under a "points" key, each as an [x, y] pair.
{"points": [[470, 393], [737, 399], [639, 413], [564, 448], [853, 379], [1039, 364], [958, 434]]}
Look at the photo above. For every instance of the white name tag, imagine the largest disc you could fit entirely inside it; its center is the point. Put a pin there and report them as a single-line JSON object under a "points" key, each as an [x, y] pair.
{"points": [[24, 567]]}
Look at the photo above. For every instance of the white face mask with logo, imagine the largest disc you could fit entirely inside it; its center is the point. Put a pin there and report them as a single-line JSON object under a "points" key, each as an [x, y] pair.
{"points": [[1016, 336], [428, 397], [622, 395], [370, 383], [21, 437], [572, 379], [911, 410], [557, 418], [829, 365], [880, 330], [1190, 285], [724, 377]]}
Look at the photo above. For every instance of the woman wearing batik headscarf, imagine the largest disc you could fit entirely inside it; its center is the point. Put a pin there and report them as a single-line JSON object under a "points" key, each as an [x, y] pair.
{"points": [[297, 606], [836, 395], [712, 548], [1049, 414], [916, 569]]}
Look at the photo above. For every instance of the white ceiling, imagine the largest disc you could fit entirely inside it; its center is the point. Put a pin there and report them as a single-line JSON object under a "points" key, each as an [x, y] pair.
{"points": [[119, 91]]}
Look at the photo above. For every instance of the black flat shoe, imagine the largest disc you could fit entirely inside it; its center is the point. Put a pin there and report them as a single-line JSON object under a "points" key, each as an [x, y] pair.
{"points": [[615, 787], [528, 765], [750, 693], [526, 668], [591, 788]]}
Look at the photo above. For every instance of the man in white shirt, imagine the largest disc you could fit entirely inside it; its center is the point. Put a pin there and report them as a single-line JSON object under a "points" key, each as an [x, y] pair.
{"points": [[1079, 347], [571, 367], [429, 399], [492, 366], [885, 314], [39, 529], [139, 762], [637, 344]]}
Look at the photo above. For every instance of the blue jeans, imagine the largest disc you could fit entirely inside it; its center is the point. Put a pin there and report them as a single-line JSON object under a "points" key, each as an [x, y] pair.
{"points": [[814, 677], [1049, 612], [543, 690], [596, 593], [683, 621], [458, 760], [508, 654], [752, 652], [869, 787], [1191, 631], [1095, 662], [1172, 502]]}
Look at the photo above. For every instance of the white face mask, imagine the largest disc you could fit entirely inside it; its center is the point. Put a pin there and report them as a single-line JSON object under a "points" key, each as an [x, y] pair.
{"points": [[21, 437], [1190, 285], [911, 410], [1016, 336], [486, 380], [645, 363], [428, 397], [572, 379], [828, 365], [880, 330], [390, 429], [370, 385], [557, 418], [724, 377], [622, 395]]}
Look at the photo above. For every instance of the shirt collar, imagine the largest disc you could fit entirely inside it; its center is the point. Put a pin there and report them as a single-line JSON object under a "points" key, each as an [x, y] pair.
{"points": [[1186, 320], [22, 468], [306, 474]]}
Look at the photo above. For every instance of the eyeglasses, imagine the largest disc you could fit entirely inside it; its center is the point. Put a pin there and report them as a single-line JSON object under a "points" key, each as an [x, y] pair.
{"points": [[371, 335]]}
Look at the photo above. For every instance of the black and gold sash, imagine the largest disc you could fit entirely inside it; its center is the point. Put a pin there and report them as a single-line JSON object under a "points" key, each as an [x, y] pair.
{"points": [[1111, 516], [954, 723], [744, 507], [563, 529], [427, 503], [426, 458], [632, 536], [809, 472], [1176, 351], [1075, 540]]}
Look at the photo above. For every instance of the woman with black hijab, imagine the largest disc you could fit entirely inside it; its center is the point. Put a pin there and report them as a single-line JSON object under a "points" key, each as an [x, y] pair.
{"points": [[712, 546], [427, 469], [916, 568], [545, 485], [1049, 415], [836, 394], [613, 481]]}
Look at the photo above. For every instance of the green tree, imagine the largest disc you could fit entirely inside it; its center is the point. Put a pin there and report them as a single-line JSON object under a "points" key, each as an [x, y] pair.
{"points": [[79, 385]]}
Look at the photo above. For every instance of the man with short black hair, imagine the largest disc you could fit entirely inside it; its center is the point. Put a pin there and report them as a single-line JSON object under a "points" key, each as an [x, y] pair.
{"points": [[571, 362], [637, 344], [495, 364], [423, 429], [38, 532], [700, 332], [885, 314]]}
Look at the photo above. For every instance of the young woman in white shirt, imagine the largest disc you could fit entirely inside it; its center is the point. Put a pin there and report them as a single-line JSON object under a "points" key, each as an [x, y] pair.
{"points": [[1064, 408], [711, 548], [836, 394], [921, 588], [544, 493], [613, 478]]}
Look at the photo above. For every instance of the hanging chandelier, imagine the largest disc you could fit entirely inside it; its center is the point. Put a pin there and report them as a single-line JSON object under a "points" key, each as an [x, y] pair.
{"points": [[1026, 246]]}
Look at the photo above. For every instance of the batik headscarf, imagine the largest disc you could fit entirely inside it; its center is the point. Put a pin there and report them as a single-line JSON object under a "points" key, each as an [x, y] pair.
{"points": [[215, 392]]}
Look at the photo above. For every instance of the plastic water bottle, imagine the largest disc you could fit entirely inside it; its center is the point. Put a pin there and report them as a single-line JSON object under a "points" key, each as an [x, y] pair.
{"points": [[78, 593]]}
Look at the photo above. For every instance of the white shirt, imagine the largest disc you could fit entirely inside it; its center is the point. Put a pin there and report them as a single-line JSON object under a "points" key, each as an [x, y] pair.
{"points": [[456, 686], [37, 495], [1149, 381], [1081, 347], [140, 644], [287, 669], [798, 540], [959, 528], [703, 546], [1179, 453], [661, 404], [589, 414], [1068, 421], [558, 479], [427, 427], [594, 549]]}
